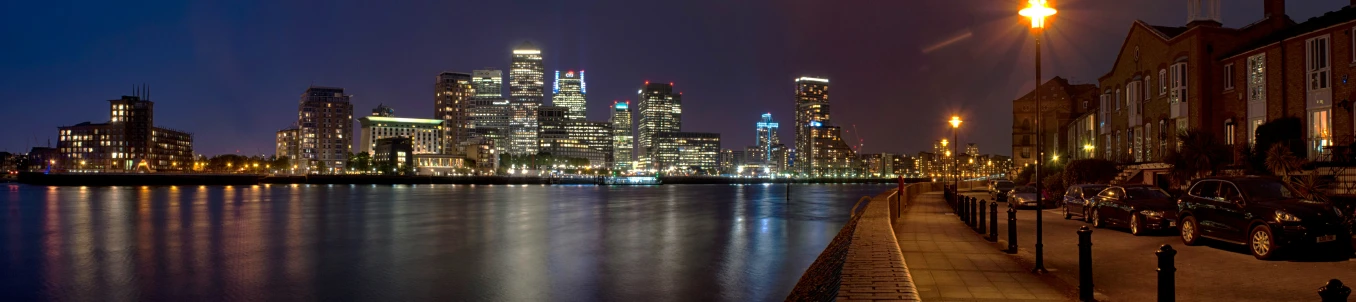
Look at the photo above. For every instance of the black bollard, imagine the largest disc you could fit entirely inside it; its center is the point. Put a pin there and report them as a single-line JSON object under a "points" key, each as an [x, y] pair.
{"points": [[1012, 230], [1167, 285], [993, 221], [960, 210], [974, 221], [1334, 291], [1085, 264], [981, 225]]}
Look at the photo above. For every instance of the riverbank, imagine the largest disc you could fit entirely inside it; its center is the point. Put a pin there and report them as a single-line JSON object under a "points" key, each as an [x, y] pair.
{"points": [[165, 179]]}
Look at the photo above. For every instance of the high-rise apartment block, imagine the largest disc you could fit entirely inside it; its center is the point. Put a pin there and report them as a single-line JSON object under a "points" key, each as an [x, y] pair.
{"points": [[570, 91], [660, 111], [325, 123], [452, 96], [130, 141], [526, 92], [820, 149], [623, 137]]}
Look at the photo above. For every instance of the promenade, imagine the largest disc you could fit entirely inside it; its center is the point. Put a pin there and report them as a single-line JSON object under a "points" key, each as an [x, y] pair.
{"points": [[950, 262]]}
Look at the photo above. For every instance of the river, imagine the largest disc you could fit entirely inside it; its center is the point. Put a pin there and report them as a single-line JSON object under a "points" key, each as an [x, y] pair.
{"points": [[415, 242]]}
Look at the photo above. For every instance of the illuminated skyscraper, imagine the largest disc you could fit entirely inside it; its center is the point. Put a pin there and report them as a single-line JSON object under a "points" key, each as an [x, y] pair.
{"points": [[820, 149], [452, 104], [325, 119], [489, 112], [623, 137], [661, 110], [570, 92], [525, 95], [767, 138], [489, 83]]}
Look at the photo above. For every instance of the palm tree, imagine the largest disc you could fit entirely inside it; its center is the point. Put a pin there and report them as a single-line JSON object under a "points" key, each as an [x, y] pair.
{"points": [[1200, 154], [1290, 167]]}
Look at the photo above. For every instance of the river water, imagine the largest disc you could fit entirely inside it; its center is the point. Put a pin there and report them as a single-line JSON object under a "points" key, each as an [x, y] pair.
{"points": [[415, 242]]}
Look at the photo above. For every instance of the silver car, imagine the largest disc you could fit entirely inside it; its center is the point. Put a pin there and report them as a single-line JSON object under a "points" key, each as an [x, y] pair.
{"points": [[1023, 196]]}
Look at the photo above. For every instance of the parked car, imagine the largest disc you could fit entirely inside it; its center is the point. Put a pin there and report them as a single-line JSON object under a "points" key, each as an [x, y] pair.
{"points": [[1000, 188], [1078, 200], [1140, 208], [1025, 196], [1260, 212]]}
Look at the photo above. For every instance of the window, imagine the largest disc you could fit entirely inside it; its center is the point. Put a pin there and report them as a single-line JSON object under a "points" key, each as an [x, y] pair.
{"points": [[1353, 45], [1178, 81], [1229, 133], [1162, 81], [1148, 141], [1148, 82], [1257, 78], [1229, 76], [1320, 122], [1205, 189], [1117, 99], [1317, 59], [1252, 130]]}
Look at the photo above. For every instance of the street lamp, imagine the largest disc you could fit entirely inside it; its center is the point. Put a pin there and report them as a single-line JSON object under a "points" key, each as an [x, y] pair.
{"points": [[1037, 10], [955, 136]]}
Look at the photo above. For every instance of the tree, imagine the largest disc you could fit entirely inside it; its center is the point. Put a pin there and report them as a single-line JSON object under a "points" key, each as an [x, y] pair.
{"points": [[1291, 169], [1286, 131], [281, 163], [1024, 176], [1200, 154], [1090, 171], [362, 161], [1054, 183], [322, 167]]}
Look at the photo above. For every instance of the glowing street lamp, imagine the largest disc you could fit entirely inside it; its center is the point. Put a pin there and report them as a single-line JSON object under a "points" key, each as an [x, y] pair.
{"points": [[1037, 11], [955, 161]]}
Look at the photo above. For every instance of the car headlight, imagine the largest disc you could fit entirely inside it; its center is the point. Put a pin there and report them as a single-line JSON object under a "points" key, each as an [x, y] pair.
{"points": [[1283, 216], [1151, 213]]}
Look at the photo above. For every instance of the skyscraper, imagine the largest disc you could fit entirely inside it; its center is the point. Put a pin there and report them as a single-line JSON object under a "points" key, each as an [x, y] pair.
{"points": [[452, 93], [525, 95], [490, 111], [570, 92], [820, 149], [767, 138], [623, 136], [661, 110], [325, 119], [489, 83]]}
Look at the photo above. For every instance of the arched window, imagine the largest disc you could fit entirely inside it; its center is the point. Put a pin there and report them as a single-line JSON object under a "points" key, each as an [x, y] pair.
{"points": [[1026, 124]]}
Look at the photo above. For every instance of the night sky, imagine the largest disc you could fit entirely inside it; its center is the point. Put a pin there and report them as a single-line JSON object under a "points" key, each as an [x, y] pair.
{"points": [[231, 72]]}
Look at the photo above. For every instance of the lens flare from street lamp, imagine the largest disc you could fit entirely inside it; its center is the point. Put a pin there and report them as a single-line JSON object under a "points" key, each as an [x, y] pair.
{"points": [[955, 121], [1037, 11]]}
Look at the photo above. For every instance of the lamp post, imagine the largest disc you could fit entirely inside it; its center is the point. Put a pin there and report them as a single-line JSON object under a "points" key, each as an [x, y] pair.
{"points": [[1037, 10], [955, 158]]}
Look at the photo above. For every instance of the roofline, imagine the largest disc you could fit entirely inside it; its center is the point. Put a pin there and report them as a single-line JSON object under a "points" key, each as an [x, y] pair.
{"points": [[1149, 28], [1297, 36]]}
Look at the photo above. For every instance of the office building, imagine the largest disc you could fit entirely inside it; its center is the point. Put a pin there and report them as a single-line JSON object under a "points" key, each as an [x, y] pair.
{"points": [[623, 137], [394, 155], [489, 116], [426, 135], [488, 83], [525, 96], [452, 96], [128, 142], [767, 139], [563, 137], [687, 153], [571, 92], [661, 110], [325, 124]]}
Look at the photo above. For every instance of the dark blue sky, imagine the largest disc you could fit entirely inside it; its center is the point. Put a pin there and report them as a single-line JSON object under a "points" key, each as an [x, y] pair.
{"points": [[231, 71]]}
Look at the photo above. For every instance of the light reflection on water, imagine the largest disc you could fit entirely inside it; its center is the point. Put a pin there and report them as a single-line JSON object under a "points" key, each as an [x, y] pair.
{"points": [[422, 242]]}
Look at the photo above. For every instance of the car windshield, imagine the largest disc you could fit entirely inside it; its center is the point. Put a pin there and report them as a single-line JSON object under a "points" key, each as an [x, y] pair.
{"points": [[1145, 193], [1005, 185], [1266, 189], [1025, 189], [1090, 191]]}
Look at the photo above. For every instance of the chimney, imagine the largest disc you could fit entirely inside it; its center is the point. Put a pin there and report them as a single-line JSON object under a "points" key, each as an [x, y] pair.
{"points": [[1276, 8]]}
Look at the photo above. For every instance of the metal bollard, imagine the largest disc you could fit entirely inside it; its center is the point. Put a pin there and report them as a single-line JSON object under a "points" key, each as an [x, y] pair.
{"points": [[960, 210], [1334, 291], [1012, 230], [993, 221], [1167, 284], [979, 227], [1085, 264], [974, 221]]}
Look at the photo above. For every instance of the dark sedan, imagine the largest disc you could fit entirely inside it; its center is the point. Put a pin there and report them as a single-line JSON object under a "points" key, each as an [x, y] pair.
{"points": [[1261, 212], [1078, 200], [1138, 207]]}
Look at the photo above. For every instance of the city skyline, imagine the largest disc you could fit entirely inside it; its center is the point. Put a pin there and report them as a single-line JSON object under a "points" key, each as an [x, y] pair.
{"points": [[254, 97]]}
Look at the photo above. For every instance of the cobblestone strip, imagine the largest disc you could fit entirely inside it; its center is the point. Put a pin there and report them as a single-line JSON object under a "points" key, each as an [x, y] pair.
{"points": [[875, 268]]}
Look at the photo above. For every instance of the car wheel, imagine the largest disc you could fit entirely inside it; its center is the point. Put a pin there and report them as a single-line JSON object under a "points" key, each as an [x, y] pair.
{"points": [[1097, 220], [1066, 213], [1262, 243], [1135, 226], [1087, 217], [1190, 233]]}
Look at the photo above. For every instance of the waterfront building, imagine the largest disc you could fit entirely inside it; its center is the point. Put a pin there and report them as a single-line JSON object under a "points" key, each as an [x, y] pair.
{"points": [[660, 111], [687, 153], [623, 137], [288, 143], [767, 138], [394, 155], [821, 149], [452, 96], [1060, 102], [488, 83], [571, 92], [490, 115], [1082, 136], [325, 123], [426, 134], [525, 95], [564, 137], [128, 142]]}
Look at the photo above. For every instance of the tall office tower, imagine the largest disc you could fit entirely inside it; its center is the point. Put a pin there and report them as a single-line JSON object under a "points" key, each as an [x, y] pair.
{"points": [[452, 93], [812, 109], [490, 110], [623, 137], [570, 92], [687, 153], [767, 139], [525, 95], [661, 110], [489, 83], [325, 119]]}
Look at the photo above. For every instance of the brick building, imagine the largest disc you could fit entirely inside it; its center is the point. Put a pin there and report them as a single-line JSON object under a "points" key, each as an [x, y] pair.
{"points": [[1061, 101]]}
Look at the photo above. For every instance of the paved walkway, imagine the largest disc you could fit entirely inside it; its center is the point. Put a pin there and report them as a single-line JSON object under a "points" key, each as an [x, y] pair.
{"points": [[950, 262]]}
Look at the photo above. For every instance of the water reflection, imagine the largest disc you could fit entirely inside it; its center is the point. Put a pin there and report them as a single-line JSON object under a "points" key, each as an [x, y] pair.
{"points": [[424, 242]]}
